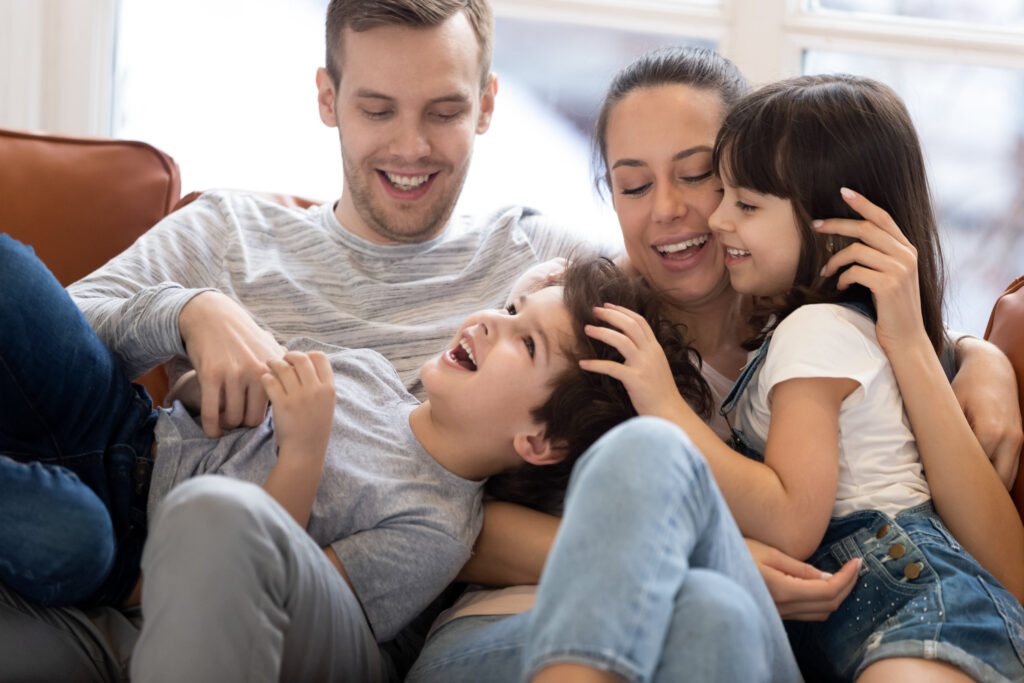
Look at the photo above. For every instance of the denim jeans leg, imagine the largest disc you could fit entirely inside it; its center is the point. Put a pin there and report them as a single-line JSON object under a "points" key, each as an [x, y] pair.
{"points": [[65, 401], [642, 509], [45, 561]]}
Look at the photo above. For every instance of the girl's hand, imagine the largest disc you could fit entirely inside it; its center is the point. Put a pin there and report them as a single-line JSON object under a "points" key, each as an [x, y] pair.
{"points": [[301, 390], [645, 372], [801, 591], [885, 262]]}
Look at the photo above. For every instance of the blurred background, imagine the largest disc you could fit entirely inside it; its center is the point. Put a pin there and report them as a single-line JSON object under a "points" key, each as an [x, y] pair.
{"points": [[227, 88]]}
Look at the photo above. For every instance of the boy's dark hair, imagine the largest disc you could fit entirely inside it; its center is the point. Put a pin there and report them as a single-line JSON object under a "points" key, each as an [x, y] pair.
{"points": [[584, 405], [363, 15], [803, 139], [697, 67]]}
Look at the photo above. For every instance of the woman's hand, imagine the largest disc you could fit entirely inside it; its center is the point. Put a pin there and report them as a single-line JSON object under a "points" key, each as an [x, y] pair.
{"points": [[645, 371], [885, 262], [799, 590]]}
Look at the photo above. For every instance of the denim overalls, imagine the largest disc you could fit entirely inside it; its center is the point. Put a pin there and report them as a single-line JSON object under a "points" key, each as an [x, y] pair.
{"points": [[919, 593]]}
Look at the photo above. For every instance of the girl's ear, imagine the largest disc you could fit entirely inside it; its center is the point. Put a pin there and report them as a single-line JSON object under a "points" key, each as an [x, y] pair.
{"points": [[536, 449]]}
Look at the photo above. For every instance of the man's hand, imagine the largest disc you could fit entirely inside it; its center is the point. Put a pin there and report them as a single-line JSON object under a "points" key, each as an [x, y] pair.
{"points": [[230, 353], [986, 388], [800, 591]]}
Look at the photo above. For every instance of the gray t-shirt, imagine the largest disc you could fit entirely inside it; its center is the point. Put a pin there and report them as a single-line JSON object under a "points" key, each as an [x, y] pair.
{"points": [[401, 524], [301, 274]]}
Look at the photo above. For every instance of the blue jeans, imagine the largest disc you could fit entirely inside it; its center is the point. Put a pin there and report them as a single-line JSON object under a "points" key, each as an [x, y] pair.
{"points": [[648, 578], [75, 446], [919, 594]]}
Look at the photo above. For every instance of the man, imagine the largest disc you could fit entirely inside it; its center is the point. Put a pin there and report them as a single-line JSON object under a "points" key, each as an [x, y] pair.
{"points": [[408, 85]]}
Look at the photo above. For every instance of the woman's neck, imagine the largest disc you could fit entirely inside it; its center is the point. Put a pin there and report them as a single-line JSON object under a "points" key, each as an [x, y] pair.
{"points": [[717, 329]]}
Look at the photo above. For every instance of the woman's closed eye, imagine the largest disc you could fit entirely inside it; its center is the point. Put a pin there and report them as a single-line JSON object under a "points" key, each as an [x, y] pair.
{"points": [[636, 191], [694, 179]]}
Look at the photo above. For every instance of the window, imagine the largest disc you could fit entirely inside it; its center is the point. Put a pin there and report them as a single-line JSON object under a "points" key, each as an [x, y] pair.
{"points": [[236, 103]]}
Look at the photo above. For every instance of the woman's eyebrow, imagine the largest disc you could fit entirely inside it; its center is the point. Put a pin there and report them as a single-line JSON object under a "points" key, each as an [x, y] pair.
{"points": [[678, 157]]}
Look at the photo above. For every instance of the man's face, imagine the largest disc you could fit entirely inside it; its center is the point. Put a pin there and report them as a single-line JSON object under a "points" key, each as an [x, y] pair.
{"points": [[407, 109]]}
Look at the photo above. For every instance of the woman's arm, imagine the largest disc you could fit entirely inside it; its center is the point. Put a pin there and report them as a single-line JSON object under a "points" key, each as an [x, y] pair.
{"points": [[512, 546], [968, 493], [986, 389]]}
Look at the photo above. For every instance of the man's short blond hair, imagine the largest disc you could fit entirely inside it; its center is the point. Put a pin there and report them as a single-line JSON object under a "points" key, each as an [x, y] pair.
{"points": [[363, 15]]}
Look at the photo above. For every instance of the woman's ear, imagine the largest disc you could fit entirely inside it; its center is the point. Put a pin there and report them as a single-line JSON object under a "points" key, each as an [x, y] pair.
{"points": [[536, 449]]}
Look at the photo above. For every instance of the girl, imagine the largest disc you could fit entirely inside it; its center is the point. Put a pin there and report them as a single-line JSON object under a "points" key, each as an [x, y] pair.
{"points": [[841, 477]]}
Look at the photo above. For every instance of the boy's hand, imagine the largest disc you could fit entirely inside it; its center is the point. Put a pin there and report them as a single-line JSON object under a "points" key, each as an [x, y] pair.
{"points": [[301, 390], [645, 373]]}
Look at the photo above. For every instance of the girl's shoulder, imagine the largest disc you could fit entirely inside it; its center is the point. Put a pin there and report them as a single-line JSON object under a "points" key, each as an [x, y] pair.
{"points": [[823, 317]]}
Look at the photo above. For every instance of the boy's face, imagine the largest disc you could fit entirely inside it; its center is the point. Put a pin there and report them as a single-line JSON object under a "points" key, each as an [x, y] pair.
{"points": [[407, 107], [500, 366]]}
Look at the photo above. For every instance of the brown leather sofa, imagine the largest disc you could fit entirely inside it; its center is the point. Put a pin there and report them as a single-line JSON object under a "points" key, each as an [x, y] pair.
{"points": [[81, 201]]}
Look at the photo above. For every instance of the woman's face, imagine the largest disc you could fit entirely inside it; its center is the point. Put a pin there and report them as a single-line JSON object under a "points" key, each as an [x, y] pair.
{"points": [[659, 143]]}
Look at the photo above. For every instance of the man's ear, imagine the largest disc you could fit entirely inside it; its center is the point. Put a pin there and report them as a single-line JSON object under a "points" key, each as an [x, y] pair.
{"points": [[326, 98], [536, 449], [487, 104]]}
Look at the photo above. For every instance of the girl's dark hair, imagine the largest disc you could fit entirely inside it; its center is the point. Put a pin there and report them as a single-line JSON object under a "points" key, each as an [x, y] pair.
{"points": [[697, 67], [584, 405], [803, 139]]}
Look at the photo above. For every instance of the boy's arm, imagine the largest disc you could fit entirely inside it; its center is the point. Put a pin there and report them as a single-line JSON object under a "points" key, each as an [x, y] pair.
{"points": [[301, 389]]}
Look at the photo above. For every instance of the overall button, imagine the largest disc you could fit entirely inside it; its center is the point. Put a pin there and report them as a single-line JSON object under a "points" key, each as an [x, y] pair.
{"points": [[883, 531], [896, 550], [912, 570]]}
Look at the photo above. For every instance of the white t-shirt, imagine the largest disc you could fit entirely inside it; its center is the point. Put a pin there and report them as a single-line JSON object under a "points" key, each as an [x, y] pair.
{"points": [[879, 466]]}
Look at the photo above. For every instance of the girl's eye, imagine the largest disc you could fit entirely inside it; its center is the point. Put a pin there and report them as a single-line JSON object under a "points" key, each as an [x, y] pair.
{"points": [[510, 308], [745, 208], [530, 347], [695, 178], [636, 190]]}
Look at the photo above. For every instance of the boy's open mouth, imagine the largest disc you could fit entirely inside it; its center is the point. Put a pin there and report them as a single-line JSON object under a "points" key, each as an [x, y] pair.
{"points": [[463, 355]]}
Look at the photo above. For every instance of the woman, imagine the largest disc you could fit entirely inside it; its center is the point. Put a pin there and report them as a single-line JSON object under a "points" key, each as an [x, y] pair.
{"points": [[655, 133]]}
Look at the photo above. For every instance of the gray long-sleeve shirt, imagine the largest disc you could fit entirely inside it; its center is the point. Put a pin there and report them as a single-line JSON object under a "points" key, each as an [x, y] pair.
{"points": [[301, 274]]}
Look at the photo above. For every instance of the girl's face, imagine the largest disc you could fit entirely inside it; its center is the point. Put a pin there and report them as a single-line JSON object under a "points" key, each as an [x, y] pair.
{"points": [[761, 239], [658, 146]]}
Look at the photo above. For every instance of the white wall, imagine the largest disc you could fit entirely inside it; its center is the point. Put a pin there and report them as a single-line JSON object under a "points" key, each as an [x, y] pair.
{"points": [[56, 65]]}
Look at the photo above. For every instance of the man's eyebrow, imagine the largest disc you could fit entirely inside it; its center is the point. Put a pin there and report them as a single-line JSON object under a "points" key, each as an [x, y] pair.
{"points": [[546, 343], [678, 157], [366, 93]]}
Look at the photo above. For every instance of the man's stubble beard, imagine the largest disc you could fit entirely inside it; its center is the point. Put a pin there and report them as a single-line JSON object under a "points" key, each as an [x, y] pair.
{"points": [[377, 218]]}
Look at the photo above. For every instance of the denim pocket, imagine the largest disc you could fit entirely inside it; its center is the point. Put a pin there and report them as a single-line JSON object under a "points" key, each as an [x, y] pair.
{"points": [[1012, 615]]}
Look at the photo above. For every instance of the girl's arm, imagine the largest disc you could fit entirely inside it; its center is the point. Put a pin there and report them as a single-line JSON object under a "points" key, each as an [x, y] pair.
{"points": [[968, 493], [301, 389], [786, 501]]}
